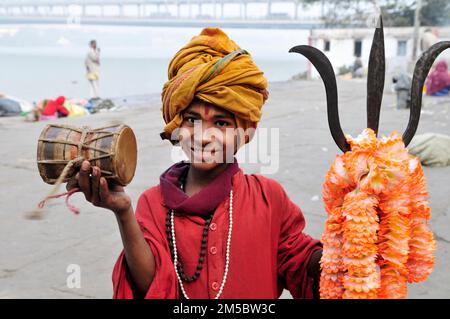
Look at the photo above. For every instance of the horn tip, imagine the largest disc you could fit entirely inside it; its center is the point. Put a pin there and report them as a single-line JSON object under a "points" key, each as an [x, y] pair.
{"points": [[295, 49]]}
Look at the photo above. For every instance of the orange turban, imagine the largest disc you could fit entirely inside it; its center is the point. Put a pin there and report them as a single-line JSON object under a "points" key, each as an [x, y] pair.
{"points": [[213, 68]]}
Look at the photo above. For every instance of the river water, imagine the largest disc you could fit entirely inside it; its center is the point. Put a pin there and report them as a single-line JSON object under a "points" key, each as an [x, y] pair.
{"points": [[42, 61]]}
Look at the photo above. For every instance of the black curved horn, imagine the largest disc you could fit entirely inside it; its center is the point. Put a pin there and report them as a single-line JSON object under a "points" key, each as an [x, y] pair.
{"points": [[375, 78], [421, 70], [325, 69]]}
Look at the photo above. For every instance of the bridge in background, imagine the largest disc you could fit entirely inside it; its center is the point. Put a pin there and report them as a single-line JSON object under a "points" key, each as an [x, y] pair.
{"points": [[169, 13], [158, 9]]}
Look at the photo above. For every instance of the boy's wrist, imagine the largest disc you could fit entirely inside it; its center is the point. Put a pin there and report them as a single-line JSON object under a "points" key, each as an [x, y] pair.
{"points": [[124, 214]]}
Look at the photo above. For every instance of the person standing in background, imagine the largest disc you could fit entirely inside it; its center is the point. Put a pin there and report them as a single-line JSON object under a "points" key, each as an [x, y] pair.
{"points": [[429, 37], [92, 63], [358, 68], [402, 87]]}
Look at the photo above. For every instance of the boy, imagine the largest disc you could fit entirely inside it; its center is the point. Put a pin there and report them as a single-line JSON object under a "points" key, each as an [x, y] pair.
{"points": [[230, 235]]}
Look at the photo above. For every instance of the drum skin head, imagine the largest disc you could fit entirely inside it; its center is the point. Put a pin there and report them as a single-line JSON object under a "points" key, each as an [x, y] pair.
{"points": [[56, 151], [125, 159]]}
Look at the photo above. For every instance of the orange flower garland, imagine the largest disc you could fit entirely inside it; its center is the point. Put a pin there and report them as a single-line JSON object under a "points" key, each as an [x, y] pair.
{"points": [[376, 238]]}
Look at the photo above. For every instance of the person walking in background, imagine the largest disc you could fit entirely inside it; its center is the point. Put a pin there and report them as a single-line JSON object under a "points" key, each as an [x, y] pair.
{"points": [[92, 63]]}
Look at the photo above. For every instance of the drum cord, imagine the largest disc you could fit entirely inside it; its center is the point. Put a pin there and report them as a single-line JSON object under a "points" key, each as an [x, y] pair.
{"points": [[38, 212]]}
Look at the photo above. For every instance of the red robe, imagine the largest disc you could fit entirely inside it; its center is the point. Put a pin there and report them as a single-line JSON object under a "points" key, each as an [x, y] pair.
{"points": [[269, 251]]}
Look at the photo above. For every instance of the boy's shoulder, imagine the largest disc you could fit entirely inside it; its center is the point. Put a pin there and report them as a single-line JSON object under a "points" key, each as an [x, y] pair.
{"points": [[267, 190], [148, 202], [260, 179], [264, 183], [152, 193]]}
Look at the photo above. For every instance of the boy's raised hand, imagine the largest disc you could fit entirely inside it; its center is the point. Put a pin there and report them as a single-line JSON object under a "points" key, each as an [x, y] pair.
{"points": [[97, 191]]}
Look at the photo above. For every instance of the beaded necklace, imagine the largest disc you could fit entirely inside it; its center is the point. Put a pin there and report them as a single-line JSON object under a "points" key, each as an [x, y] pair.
{"points": [[181, 275]]}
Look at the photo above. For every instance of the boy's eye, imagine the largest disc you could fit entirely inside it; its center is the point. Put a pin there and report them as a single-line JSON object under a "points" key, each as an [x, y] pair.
{"points": [[221, 123], [191, 120]]}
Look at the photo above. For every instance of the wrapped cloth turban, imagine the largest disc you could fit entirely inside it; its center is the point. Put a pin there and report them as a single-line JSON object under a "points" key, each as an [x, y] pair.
{"points": [[214, 69]]}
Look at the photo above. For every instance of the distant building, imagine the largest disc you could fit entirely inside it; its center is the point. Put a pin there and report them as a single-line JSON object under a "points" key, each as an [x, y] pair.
{"points": [[343, 46]]}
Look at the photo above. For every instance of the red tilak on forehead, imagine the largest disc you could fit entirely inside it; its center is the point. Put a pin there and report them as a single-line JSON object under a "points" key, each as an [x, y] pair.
{"points": [[207, 107]]}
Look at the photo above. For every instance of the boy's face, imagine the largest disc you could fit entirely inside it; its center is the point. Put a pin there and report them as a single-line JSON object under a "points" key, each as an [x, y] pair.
{"points": [[208, 135]]}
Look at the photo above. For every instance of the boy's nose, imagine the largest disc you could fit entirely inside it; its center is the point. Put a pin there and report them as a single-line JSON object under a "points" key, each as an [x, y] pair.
{"points": [[208, 135]]}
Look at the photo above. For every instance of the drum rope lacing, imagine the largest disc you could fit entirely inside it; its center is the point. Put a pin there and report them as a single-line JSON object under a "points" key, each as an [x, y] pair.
{"points": [[81, 145]]}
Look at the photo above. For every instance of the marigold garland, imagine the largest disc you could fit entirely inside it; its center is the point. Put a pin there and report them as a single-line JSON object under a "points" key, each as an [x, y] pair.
{"points": [[376, 238]]}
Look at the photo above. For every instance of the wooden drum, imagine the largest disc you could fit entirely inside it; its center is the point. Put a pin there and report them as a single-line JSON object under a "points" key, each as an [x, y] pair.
{"points": [[113, 149]]}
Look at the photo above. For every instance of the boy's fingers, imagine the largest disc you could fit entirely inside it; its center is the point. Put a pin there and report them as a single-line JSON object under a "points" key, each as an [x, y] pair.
{"points": [[84, 180], [95, 184], [104, 190], [116, 188], [72, 183], [113, 187]]}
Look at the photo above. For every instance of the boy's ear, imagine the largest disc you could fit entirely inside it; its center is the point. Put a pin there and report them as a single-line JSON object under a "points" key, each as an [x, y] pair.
{"points": [[165, 136]]}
